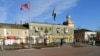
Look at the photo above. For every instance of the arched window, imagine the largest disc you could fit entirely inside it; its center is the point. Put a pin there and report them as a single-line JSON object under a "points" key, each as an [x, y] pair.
{"points": [[65, 30], [36, 29], [58, 30], [46, 30]]}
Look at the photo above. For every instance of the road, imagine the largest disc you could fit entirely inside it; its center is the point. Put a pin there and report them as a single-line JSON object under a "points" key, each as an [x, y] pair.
{"points": [[83, 51]]}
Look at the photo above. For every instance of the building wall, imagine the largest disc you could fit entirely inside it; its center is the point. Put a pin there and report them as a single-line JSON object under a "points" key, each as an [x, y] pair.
{"points": [[84, 35], [89, 35], [2, 32], [98, 36], [17, 32], [13, 32], [50, 31], [15, 35], [54, 31], [79, 35]]}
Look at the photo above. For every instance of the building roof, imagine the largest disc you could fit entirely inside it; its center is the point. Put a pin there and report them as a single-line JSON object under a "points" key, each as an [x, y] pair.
{"points": [[46, 23], [83, 30], [14, 26], [27, 24]]}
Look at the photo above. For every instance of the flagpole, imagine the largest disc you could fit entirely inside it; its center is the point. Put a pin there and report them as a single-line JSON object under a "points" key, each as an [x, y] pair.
{"points": [[54, 16], [26, 6], [30, 39], [30, 30]]}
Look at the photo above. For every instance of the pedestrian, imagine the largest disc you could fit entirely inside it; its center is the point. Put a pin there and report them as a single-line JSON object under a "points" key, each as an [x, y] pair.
{"points": [[61, 42], [74, 42], [22, 44], [45, 41], [93, 43]]}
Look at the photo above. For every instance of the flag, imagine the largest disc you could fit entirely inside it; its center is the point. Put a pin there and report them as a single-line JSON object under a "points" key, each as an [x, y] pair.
{"points": [[25, 6], [54, 14]]}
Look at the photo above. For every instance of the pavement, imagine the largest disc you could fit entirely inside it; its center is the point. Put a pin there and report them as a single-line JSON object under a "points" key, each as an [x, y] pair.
{"points": [[77, 44], [59, 51], [64, 50]]}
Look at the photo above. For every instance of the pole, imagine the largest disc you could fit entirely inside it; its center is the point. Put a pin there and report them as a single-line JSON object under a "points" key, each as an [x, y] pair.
{"points": [[30, 40], [54, 16], [2, 45]]}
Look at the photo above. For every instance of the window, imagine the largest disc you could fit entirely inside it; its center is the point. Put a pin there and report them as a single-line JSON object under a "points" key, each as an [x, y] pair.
{"points": [[50, 28], [46, 30], [9, 33], [66, 30], [36, 29], [58, 30], [24, 33], [41, 28]]}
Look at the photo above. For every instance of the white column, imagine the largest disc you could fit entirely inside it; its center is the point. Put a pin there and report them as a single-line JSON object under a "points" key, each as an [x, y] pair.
{"points": [[5, 32]]}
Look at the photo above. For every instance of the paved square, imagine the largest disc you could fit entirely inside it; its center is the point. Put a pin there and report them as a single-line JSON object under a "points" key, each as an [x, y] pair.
{"points": [[83, 51]]}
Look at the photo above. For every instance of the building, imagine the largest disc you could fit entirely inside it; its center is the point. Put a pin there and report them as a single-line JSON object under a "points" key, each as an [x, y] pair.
{"points": [[98, 37], [36, 32], [52, 32], [70, 24], [13, 33], [84, 34]]}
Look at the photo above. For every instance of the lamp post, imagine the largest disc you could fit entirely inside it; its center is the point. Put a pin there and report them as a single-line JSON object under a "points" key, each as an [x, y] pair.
{"points": [[1, 44]]}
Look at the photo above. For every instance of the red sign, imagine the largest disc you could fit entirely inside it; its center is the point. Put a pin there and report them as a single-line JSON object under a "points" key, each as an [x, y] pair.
{"points": [[11, 37]]}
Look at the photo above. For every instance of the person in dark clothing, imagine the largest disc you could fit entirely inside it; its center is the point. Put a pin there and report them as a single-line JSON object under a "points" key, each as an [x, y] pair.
{"points": [[45, 41], [22, 44], [61, 42]]}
